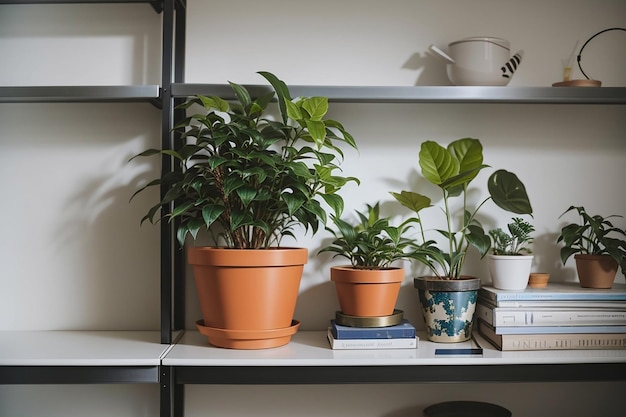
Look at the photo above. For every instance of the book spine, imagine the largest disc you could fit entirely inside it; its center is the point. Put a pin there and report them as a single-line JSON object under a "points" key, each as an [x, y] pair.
{"points": [[559, 329], [553, 303], [553, 341], [551, 296], [564, 342], [404, 332], [354, 344], [542, 317]]}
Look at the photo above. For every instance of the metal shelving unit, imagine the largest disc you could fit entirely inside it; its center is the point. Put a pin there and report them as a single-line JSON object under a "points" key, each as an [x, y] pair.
{"points": [[171, 371]]}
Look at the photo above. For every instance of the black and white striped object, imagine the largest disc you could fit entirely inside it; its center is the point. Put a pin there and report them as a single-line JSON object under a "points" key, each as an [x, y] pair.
{"points": [[509, 68]]}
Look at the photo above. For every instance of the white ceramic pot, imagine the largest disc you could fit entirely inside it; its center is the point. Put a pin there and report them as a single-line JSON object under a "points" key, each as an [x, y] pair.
{"points": [[510, 272]]}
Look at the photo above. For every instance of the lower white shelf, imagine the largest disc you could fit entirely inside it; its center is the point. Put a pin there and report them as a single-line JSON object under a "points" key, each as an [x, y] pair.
{"points": [[308, 359], [310, 348]]}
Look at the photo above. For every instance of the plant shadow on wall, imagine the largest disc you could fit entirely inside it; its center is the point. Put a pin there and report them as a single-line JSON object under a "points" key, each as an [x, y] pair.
{"points": [[113, 257]]}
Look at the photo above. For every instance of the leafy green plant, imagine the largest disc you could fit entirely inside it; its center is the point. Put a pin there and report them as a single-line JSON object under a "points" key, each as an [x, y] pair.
{"points": [[452, 169], [595, 235], [248, 178], [372, 243], [514, 242]]}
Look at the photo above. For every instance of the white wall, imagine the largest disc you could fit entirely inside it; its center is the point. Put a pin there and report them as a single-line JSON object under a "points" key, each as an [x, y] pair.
{"points": [[65, 182]]}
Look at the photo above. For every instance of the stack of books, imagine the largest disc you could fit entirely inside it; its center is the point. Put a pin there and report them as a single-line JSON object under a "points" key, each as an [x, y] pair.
{"points": [[399, 336], [560, 316]]}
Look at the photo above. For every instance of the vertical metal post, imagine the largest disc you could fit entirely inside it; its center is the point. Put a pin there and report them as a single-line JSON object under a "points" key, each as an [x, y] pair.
{"points": [[172, 394], [179, 114], [167, 142]]}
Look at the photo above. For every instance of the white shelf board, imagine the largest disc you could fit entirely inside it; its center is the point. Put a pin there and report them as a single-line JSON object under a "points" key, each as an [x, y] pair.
{"points": [[81, 348], [310, 348]]}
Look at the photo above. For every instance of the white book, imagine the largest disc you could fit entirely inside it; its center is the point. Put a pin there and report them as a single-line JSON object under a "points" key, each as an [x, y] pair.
{"points": [[567, 341], [550, 316], [356, 344]]}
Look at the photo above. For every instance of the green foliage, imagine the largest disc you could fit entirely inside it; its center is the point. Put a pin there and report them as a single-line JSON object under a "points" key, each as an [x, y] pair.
{"points": [[453, 169], [372, 243], [591, 237], [512, 243], [247, 178]]}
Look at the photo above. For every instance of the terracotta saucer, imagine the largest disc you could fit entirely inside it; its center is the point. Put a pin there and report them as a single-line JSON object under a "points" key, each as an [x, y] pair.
{"points": [[248, 339]]}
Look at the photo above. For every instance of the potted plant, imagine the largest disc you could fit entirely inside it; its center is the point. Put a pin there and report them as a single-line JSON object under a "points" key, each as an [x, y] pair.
{"points": [[250, 179], [370, 285], [449, 299], [599, 248], [511, 262]]}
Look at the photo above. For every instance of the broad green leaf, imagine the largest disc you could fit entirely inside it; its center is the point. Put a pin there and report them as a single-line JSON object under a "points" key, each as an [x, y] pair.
{"points": [[476, 237], [437, 163], [214, 103], [469, 153], [317, 130], [509, 193], [335, 201], [242, 94], [282, 92], [293, 111], [412, 201], [246, 194], [211, 213], [293, 202], [317, 107]]}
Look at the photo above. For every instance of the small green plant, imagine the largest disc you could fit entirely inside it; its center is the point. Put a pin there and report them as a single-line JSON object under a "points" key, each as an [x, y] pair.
{"points": [[452, 169], [595, 235], [246, 177], [372, 243], [514, 242]]}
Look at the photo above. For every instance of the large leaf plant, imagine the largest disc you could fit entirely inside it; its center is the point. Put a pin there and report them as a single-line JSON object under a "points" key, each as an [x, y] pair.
{"points": [[250, 178], [452, 169]]}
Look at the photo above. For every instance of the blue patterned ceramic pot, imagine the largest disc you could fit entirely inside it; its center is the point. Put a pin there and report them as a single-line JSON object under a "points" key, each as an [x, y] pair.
{"points": [[448, 306]]}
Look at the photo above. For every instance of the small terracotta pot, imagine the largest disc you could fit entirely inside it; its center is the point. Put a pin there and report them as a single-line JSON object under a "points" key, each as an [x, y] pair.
{"points": [[538, 279], [596, 271], [367, 292], [247, 290]]}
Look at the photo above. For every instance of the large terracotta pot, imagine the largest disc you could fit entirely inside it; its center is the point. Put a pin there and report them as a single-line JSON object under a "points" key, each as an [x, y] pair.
{"points": [[448, 306], [245, 293], [596, 271], [367, 292]]}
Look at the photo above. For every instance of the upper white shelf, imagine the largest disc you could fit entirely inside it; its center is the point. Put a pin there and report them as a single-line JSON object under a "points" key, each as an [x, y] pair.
{"points": [[73, 94], [409, 94]]}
